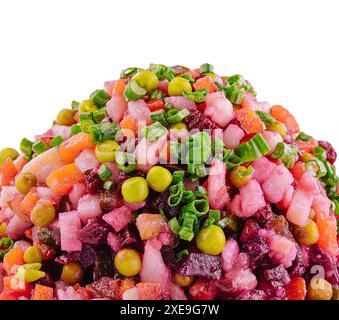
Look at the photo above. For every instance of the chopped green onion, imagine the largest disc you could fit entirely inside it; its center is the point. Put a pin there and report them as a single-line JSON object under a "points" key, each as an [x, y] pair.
{"points": [[206, 68], [321, 170], [208, 222], [200, 192], [100, 97], [181, 254], [286, 153], [187, 197], [39, 147], [104, 131], [303, 137], [6, 244], [57, 141], [198, 207], [197, 171], [188, 77], [104, 172], [86, 124], [173, 224], [75, 105], [26, 147], [215, 214], [75, 129], [133, 91], [129, 72], [99, 115], [253, 149], [319, 152], [162, 72], [159, 116], [108, 185], [85, 116], [236, 79], [178, 116], [224, 222], [186, 234], [126, 162], [154, 131], [234, 94], [178, 176], [157, 95], [197, 96], [265, 117], [168, 105], [176, 193]]}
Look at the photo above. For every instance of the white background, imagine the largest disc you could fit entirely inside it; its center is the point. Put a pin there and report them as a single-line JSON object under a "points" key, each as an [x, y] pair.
{"points": [[55, 51]]}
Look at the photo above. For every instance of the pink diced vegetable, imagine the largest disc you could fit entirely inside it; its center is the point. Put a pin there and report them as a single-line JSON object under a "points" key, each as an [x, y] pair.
{"points": [[309, 183], [63, 131], [218, 196], [108, 87], [139, 111], [272, 138], [113, 241], [219, 109], [136, 205], [68, 293], [250, 101], [118, 218], [252, 198], [232, 136], [262, 169], [282, 250], [70, 225], [239, 280], [181, 102], [177, 293], [277, 183], [229, 254], [286, 201], [7, 194], [299, 209], [78, 190], [321, 204], [86, 160], [235, 206], [16, 227], [116, 108], [48, 194], [131, 294], [89, 207]]}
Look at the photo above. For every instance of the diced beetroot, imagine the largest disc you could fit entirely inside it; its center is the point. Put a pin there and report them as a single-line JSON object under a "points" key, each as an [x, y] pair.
{"points": [[95, 232], [219, 109], [252, 198], [272, 138], [232, 136], [309, 183], [149, 291], [181, 102], [63, 131], [16, 227], [139, 111], [89, 207], [118, 218], [262, 169], [150, 225], [218, 196], [153, 268], [48, 194], [113, 241], [286, 200], [229, 254], [238, 280], [78, 190], [277, 183], [70, 225], [321, 204], [86, 160], [116, 108], [177, 293], [235, 206], [282, 250], [203, 289], [6, 195], [299, 209], [249, 231]]}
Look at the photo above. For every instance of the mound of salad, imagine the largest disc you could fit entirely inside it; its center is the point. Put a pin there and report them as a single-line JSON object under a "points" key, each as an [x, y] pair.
{"points": [[170, 183]]}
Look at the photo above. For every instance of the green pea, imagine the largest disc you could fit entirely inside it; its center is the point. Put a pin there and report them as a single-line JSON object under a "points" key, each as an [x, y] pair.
{"points": [[134, 189], [128, 262], [87, 106], [147, 80], [65, 117], [178, 86], [105, 151], [8, 153], [25, 181], [72, 273], [43, 214], [159, 178], [211, 240], [33, 255]]}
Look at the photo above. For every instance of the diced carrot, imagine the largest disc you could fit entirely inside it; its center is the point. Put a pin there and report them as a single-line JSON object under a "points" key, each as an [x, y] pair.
{"points": [[249, 120], [307, 146], [128, 123], [42, 293], [8, 172], [119, 88], [155, 105], [9, 295], [12, 258], [70, 149], [29, 201], [327, 226], [63, 179], [19, 163], [205, 83], [298, 170], [283, 115], [7, 283], [296, 289], [28, 233]]}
